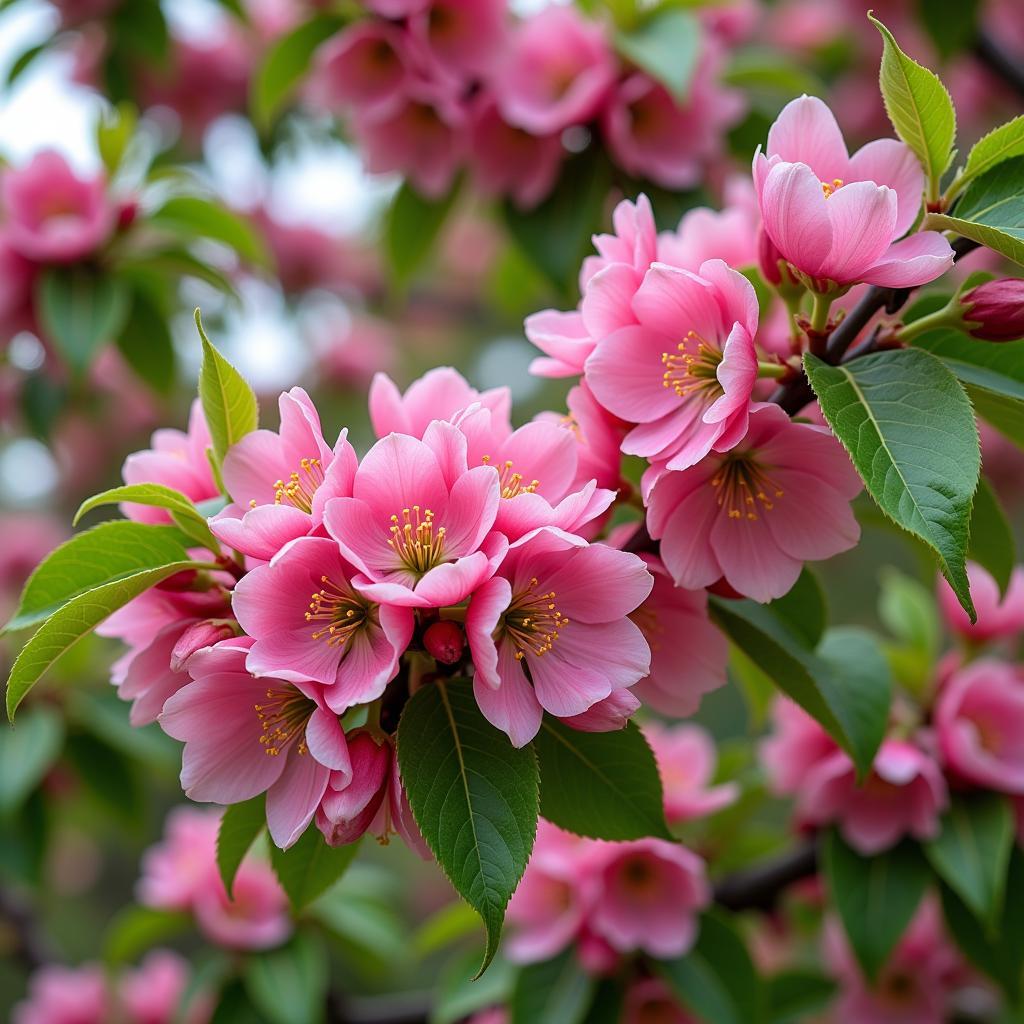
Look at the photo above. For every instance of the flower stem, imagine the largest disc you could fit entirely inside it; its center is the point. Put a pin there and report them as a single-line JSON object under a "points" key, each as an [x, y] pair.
{"points": [[775, 370], [944, 317], [819, 313]]}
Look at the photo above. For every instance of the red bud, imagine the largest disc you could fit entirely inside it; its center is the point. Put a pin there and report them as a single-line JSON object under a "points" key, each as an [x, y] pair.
{"points": [[445, 641], [994, 311]]}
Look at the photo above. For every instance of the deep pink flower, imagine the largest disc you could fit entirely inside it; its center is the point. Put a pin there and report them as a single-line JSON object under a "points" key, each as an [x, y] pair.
{"points": [[244, 736], [17, 276], [352, 800], [462, 37], [396, 8], [65, 995], [557, 608], [557, 71], [396, 816], [308, 622], [795, 747], [418, 524], [152, 993], [598, 437], [836, 218], [979, 718], [686, 762], [994, 310], [688, 396], [200, 634], [998, 616], [904, 795], [756, 514]]}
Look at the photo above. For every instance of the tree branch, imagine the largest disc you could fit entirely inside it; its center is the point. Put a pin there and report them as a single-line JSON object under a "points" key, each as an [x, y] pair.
{"points": [[759, 887]]}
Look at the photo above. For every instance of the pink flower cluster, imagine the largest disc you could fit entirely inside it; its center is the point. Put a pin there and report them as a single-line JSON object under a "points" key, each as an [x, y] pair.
{"points": [[434, 84]]}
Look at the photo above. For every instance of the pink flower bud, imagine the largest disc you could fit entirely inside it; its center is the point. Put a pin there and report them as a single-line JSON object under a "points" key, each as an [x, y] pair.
{"points": [[197, 636], [352, 800], [994, 311], [445, 641]]}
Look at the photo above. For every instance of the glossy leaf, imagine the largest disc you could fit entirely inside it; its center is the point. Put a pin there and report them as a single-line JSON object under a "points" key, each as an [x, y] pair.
{"points": [[239, 827], [1000, 144], [556, 991], [804, 608], [907, 610], [992, 544], [413, 224], [27, 752], [310, 867], [195, 217], [667, 46], [289, 985]]}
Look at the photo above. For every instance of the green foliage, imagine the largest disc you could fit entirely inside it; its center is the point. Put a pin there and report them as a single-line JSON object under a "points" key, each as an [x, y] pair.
{"points": [[146, 344], [461, 993], [136, 929], [239, 827], [952, 27], [667, 46], [599, 784], [27, 754], [473, 795], [195, 217], [803, 609], [793, 996], [910, 432], [309, 866], [413, 224], [907, 610], [556, 991], [1000, 144], [289, 985], [992, 544], [114, 131]]}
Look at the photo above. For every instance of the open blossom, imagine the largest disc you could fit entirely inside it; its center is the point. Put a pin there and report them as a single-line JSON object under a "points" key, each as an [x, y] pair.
{"points": [[796, 745], [688, 396], [419, 524], [557, 608], [998, 616], [979, 719], [755, 514], [686, 762], [244, 736], [836, 218], [460, 37], [309, 623]]}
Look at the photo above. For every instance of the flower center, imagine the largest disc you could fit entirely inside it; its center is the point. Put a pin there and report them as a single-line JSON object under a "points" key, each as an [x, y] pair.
{"points": [[299, 488], [511, 482], [744, 488], [283, 717], [341, 612], [533, 621], [828, 187], [414, 539], [693, 367]]}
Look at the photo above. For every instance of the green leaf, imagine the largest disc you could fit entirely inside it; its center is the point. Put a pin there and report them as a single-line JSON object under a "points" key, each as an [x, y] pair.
{"points": [[239, 827], [27, 753], [285, 63], [599, 784], [137, 929], [803, 609], [461, 992], [907, 610], [108, 552], [79, 617], [1000, 144], [411, 227], [26, 59], [918, 106], [555, 991], [310, 867], [972, 851], [449, 925], [194, 217], [910, 432], [289, 985], [473, 795], [80, 310], [992, 545], [667, 46], [234, 1006], [229, 404], [146, 344], [952, 27], [846, 687], [111, 777], [797, 995], [114, 131], [176, 262], [876, 896]]}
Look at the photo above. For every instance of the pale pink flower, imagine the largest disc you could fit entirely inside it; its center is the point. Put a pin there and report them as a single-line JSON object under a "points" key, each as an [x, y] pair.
{"points": [[244, 736], [563, 338], [462, 37], [557, 71], [998, 616], [686, 762], [756, 514], [979, 719], [652, 892], [177, 867], [419, 524], [649, 1001], [688, 396], [681, 672], [836, 218], [352, 800], [350, 350], [904, 795], [51, 215], [65, 995], [438, 395], [256, 915], [152, 993], [308, 622], [796, 745], [558, 608]]}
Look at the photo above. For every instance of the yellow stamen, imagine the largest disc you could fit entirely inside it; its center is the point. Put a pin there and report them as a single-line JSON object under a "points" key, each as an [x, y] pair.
{"points": [[511, 482], [343, 611], [694, 367], [299, 488], [533, 622], [415, 540], [829, 187], [283, 717], [744, 488]]}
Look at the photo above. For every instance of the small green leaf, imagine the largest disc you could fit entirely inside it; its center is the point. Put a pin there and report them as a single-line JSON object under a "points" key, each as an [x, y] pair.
{"points": [[876, 896], [27, 753], [229, 404], [556, 991], [1000, 144], [667, 46], [192, 217], [461, 992], [289, 985], [114, 131], [797, 995], [804, 608], [907, 610], [146, 344], [473, 795], [918, 106], [310, 867], [992, 545], [239, 827], [910, 432], [446, 926], [176, 262], [411, 227], [972, 851], [599, 784], [26, 59], [137, 929]]}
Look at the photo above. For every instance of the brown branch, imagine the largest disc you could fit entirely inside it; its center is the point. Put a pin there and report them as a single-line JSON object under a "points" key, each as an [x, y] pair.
{"points": [[759, 887]]}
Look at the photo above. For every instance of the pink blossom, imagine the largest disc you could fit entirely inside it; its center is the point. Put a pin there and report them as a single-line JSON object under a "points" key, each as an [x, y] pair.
{"points": [[175, 869], [836, 218], [256, 915], [649, 1001], [979, 718], [688, 397], [309, 623], [682, 671], [353, 799], [28, 539], [244, 736], [557, 71], [396, 816], [65, 995], [686, 761], [795, 747], [51, 214], [998, 616], [419, 524], [607, 715], [558, 608], [152, 993], [462, 37], [396, 8], [904, 795], [598, 437], [17, 276], [755, 514], [564, 340], [992, 309], [350, 351]]}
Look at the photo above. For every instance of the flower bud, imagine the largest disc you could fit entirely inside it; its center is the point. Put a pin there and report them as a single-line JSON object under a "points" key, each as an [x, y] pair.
{"points": [[445, 641], [606, 715], [352, 799], [994, 311], [197, 636]]}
